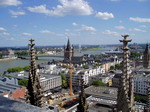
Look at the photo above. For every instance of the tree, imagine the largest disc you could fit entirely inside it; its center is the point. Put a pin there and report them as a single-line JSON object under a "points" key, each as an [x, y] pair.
{"points": [[97, 60], [18, 69], [118, 66], [64, 80], [135, 55], [98, 83], [97, 64], [85, 66], [23, 82], [112, 67], [14, 69], [141, 99], [26, 68], [21, 53]]}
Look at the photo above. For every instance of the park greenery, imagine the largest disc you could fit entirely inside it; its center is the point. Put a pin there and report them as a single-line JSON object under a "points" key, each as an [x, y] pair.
{"points": [[23, 82], [18, 69], [85, 66], [94, 48], [141, 99], [98, 83], [64, 80], [116, 67], [135, 55], [97, 64], [21, 53], [1, 56], [97, 60]]}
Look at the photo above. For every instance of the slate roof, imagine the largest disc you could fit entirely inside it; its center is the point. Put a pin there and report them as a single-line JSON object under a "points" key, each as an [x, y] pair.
{"points": [[7, 105]]}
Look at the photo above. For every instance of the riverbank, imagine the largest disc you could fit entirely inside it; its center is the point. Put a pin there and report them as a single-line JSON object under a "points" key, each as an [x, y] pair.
{"points": [[7, 59]]}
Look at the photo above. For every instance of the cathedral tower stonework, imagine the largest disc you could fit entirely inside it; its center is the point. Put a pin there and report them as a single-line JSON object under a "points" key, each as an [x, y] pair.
{"points": [[34, 93], [125, 100]]}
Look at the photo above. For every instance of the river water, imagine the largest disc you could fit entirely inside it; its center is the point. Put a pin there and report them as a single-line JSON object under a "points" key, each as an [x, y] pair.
{"points": [[4, 65]]}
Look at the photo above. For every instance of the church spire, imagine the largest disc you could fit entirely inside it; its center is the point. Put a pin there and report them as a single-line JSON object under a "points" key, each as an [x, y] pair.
{"points": [[34, 93], [125, 101], [68, 44], [146, 49], [68, 52]]}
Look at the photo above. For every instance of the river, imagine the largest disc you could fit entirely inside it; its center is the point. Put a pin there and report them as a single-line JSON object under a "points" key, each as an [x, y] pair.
{"points": [[4, 65]]}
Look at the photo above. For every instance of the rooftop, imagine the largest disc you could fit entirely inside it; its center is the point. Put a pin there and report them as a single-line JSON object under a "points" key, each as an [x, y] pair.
{"points": [[7, 105], [105, 92], [7, 87]]}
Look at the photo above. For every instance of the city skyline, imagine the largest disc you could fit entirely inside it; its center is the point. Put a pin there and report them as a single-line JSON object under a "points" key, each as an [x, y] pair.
{"points": [[51, 22]]}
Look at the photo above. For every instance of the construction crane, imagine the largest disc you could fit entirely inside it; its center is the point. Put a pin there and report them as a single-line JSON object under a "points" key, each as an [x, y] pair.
{"points": [[71, 67]]}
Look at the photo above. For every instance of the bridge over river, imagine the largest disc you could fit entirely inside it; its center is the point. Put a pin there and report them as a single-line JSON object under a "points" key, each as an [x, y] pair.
{"points": [[38, 56]]}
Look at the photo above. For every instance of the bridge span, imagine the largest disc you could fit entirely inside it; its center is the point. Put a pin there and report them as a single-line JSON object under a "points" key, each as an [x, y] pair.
{"points": [[37, 56]]}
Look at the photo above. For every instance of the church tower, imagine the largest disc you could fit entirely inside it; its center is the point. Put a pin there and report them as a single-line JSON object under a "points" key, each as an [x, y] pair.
{"points": [[68, 52], [146, 57], [34, 93], [125, 100]]}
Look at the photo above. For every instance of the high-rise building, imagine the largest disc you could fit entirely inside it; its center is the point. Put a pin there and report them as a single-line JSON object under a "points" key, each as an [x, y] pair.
{"points": [[68, 52], [125, 100], [34, 93], [146, 57]]}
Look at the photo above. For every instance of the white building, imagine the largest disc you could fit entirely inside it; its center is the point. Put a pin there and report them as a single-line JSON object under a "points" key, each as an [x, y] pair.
{"points": [[95, 71], [50, 81], [141, 83]]}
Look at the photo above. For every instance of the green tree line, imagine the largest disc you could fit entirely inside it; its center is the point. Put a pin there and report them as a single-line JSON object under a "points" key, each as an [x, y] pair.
{"points": [[18, 69]]}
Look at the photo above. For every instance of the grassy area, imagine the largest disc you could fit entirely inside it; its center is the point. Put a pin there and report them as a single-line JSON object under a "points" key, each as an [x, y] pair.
{"points": [[93, 49]]}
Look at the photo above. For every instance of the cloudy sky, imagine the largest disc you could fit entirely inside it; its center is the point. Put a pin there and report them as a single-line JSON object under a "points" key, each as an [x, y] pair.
{"points": [[51, 22]]}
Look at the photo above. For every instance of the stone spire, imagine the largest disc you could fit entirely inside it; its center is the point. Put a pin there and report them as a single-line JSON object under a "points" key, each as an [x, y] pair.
{"points": [[34, 94], [83, 106], [146, 57], [125, 101]]}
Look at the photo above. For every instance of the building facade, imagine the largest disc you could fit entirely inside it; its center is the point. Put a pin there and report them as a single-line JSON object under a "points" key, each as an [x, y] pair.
{"points": [[141, 84], [50, 82]]}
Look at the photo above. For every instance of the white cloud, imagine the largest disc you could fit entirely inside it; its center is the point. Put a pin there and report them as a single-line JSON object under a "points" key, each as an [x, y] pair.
{"points": [[46, 32], [67, 30], [108, 32], [4, 34], [2, 29], [136, 29], [104, 15], [143, 26], [11, 38], [10, 2], [87, 28], [60, 35], [26, 34], [67, 7], [137, 19], [120, 27], [16, 13], [120, 21], [74, 24]]}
